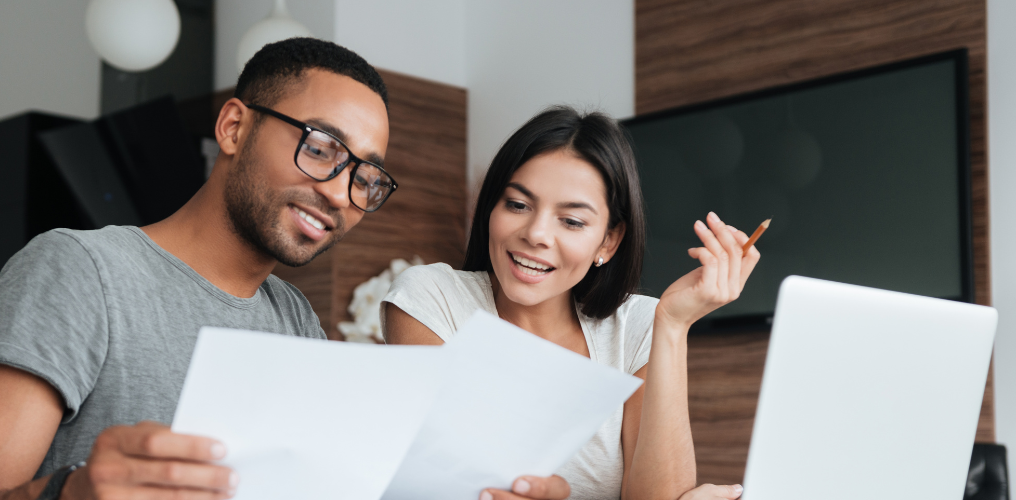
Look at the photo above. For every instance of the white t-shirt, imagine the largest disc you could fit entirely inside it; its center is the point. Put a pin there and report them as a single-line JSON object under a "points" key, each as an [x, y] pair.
{"points": [[443, 299]]}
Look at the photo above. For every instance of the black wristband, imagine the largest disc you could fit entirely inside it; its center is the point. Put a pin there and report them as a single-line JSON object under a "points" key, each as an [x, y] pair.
{"points": [[56, 482]]}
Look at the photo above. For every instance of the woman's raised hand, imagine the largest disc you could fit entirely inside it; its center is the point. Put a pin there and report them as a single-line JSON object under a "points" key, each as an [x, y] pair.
{"points": [[720, 279]]}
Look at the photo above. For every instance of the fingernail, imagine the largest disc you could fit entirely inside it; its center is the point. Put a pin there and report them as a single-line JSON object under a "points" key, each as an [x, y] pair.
{"points": [[738, 489], [521, 486], [486, 496], [732, 228], [218, 451], [699, 224], [234, 479], [713, 216]]}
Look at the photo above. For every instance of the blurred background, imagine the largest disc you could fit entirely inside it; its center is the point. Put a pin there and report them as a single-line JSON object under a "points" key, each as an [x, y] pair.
{"points": [[107, 106]]}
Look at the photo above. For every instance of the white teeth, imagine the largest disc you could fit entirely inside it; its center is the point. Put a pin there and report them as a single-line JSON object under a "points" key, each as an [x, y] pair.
{"points": [[530, 267], [311, 220]]}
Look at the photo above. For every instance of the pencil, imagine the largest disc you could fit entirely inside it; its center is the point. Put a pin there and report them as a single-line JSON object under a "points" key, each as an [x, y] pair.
{"points": [[756, 235]]}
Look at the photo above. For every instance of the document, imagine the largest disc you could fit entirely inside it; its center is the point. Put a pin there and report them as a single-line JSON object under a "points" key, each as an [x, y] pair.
{"points": [[304, 418], [514, 404]]}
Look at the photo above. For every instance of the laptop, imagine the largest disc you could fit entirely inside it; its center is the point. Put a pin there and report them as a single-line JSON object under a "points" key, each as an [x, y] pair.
{"points": [[868, 394]]}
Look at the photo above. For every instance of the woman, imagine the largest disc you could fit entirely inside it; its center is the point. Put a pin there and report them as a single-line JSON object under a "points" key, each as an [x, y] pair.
{"points": [[556, 248]]}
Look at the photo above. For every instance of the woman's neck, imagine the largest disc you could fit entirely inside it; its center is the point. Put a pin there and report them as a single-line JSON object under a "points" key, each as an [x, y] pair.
{"points": [[554, 319]]}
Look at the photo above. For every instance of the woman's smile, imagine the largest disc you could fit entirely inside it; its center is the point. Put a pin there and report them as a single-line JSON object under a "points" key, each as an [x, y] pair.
{"points": [[528, 270]]}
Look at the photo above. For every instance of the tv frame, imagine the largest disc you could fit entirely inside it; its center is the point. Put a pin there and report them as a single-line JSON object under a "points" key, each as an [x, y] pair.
{"points": [[960, 57]]}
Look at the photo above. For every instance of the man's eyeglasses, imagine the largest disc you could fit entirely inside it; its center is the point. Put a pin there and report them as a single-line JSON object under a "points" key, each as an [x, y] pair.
{"points": [[322, 156]]}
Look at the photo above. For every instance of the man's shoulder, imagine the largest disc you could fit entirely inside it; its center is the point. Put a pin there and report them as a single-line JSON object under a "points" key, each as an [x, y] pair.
{"points": [[61, 247], [282, 288], [109, 238], [56, 242], [292, 302]]}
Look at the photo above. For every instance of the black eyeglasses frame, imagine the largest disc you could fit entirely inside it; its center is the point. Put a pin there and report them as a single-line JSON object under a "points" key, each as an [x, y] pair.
{"points": [[356, 161]]}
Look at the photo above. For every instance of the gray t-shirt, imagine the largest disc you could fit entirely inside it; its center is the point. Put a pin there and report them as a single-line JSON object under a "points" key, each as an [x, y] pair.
{"points": [[110, 320]]}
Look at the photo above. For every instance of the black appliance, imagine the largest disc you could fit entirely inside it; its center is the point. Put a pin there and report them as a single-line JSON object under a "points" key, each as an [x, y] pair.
{"points": [[133, 167], [866, 176], [34, 196]]}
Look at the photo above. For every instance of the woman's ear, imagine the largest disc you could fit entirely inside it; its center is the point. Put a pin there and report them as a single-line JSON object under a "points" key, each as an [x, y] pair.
{"points": [[227, 127], [611, 241]]}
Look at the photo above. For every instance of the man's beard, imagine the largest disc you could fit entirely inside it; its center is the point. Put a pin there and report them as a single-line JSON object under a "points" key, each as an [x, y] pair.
{"points": [[253, 209]]}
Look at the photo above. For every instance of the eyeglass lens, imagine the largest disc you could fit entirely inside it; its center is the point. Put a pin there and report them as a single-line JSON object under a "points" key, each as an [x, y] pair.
{"points": [[320, 154]]}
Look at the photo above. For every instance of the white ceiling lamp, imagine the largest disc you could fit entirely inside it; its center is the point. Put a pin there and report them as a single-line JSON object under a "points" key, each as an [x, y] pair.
{"points": [[279, 25], [133, 35]]}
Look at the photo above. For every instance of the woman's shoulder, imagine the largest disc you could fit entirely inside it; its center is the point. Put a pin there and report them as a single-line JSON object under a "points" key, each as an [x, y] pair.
{"points": [[441, 284], [439, 274], [440, 297], [624, 338], [639, 306]]}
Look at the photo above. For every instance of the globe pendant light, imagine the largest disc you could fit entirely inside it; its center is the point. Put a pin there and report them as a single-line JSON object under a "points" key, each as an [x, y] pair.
{"points": [[133, 35], [279, 25]]}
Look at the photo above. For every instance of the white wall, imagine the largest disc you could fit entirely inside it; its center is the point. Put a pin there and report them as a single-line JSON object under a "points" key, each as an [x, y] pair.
{"points": [[46, 62], [234, 17], [423, 39], [1002, 196], [523, 55], [514, 57]]}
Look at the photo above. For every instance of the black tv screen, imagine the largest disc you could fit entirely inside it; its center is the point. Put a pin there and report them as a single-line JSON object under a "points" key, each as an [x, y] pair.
{"points": [[866, 176]]}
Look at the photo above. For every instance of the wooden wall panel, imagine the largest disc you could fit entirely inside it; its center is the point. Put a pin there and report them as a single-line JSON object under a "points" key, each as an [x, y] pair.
{"points": [[689, 51], [425, 216]]}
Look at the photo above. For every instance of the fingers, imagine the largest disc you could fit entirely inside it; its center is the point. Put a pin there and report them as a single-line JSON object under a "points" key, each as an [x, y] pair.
{"points": [[181, 474], [148, 460], [712, 244], [734, 253], [710, 264], [543, 488], [749, 258], [712, 491], [164, 473], [157, 493], [152, 440], [731, 491]]}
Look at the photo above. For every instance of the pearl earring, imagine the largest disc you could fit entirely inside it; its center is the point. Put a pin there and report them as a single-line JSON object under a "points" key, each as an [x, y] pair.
{"points": [[599, 262]]}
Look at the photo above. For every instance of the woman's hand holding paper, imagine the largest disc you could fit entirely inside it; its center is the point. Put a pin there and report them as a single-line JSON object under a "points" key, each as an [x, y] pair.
{"points": [[714, 492], [539, 488]]}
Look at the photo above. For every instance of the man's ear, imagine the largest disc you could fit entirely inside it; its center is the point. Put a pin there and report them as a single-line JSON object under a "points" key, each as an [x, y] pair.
{"points": [[229, 126], [611, 241]]}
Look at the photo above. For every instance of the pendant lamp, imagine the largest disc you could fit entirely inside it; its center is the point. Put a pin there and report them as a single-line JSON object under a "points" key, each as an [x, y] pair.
{"points": [[133, 35], [279, 25]]}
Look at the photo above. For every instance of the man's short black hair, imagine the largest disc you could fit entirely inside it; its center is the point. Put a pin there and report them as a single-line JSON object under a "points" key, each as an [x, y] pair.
{"points": [[278, 65]]}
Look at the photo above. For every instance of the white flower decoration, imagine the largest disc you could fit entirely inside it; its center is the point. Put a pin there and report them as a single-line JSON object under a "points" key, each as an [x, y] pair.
{"points": [[365, 308]]}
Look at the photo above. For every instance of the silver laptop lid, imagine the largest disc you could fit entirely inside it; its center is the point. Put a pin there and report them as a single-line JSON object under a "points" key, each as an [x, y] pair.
{"points": [[868, 394]]}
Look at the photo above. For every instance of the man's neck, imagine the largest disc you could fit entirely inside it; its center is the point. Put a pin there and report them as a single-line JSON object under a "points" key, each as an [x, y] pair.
{"points": [[201, 235]]}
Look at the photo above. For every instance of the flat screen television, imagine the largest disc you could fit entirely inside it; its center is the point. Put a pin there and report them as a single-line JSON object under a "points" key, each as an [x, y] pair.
{"points": [[866, 176]]}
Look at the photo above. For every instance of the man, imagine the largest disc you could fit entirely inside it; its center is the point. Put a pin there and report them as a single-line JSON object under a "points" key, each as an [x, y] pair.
{"points": [[97, 327]]}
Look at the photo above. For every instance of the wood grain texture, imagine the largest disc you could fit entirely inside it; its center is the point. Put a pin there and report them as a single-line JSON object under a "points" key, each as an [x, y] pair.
{"points": [[425, 216], [689, 51]]}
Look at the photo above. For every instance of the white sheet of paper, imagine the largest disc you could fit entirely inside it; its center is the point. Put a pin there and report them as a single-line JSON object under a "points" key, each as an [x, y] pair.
{"points": [[305, 418], [514, 405]]}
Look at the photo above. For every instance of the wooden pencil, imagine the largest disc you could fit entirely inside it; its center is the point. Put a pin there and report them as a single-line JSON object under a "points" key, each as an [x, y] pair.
{"points": [[756, 235]]}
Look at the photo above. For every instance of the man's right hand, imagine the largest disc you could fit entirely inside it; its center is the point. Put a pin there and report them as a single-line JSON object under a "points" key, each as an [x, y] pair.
{"points": [[149, 461]]}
